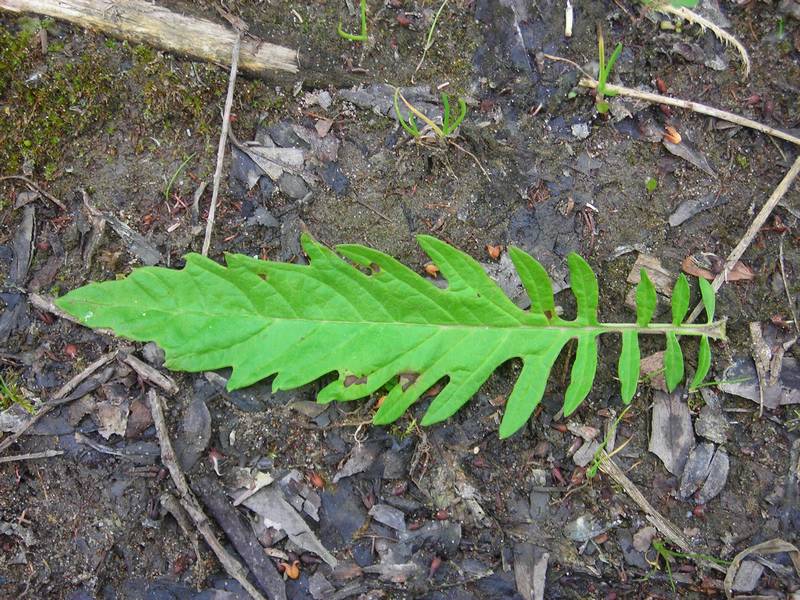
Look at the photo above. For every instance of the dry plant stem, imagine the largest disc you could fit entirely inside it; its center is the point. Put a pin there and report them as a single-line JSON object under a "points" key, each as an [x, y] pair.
{"points": [[58, 398], [773, 546], [693, 17], [151, 375], [173, 506], [31, 456], [475, 158], [36, 188], [693, 106], [659, 521], [789, 298], [142, 21], [190, 503], [751, 232], [569, 62], [223, 139]]}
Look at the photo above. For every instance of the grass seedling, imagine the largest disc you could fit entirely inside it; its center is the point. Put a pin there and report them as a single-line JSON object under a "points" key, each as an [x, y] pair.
{"points": [[449, 125], [598, 454], [429, 39], [662, 552], [604, 71], [445, 133], [449, 122], [10, 393], [361, 37], [175, 176]]}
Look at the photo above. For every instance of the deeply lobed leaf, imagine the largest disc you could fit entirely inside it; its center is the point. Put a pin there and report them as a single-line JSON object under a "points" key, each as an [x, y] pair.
{"points": [[377, 324]]}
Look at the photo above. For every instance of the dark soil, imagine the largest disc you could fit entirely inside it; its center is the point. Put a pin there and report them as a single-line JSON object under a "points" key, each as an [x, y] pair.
{"points": [[133, 131]]}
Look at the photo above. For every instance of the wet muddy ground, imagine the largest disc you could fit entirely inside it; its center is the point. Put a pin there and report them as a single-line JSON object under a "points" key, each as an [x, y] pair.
{"points": [[125, 136]]}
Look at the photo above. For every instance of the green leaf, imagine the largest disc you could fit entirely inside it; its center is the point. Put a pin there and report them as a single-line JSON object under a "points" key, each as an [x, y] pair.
{"points": [[673, 362], [680, 300], [709, 298], [536, 281], [629, 366], [703, 362], [584, 287], [582, 374], [645, 299], [367, 318]]}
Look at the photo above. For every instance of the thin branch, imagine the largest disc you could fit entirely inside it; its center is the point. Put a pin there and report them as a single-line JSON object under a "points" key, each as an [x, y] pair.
{"points": [[31, 456], [190, 504], [151, 375], [145, 22], [664, 525], [694, 106], [36, 188], [755, 226], [223, 140], [568, 61], [59, 398], [475, 158]]}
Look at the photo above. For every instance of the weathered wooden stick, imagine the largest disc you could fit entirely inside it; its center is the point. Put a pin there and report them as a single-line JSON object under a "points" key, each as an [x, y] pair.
{"points": [[145, 22]]}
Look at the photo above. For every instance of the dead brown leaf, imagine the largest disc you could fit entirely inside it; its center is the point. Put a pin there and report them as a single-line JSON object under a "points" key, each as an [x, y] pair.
{"points": [[708, 266]]}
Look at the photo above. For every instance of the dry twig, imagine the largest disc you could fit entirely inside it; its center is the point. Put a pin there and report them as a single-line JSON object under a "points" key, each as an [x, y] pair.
{"points": [[151, 375], [35, 187], [59, 398], [31, 456], [223, 139], [755, 226], [144, 21], [693, 106], [659, 521], [190, 503]]}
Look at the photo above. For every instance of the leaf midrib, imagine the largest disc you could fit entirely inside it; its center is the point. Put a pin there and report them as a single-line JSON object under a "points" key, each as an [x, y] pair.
{"points": [[563, 326]]}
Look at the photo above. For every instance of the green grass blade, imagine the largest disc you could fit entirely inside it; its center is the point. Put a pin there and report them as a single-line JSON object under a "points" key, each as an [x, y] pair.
{"points": [[362, 37], [582, 373], [709, 298], [703, 362], [462, 112], [645, 299], [175, 176], [607, 70], [410, 126], [629, 365], [673, 362], [445, 113], [536, 281], [680, 300], [584, 287]]}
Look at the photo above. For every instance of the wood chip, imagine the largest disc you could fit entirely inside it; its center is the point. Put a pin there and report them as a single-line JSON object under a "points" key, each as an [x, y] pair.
{"points": [[672, 437]]}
